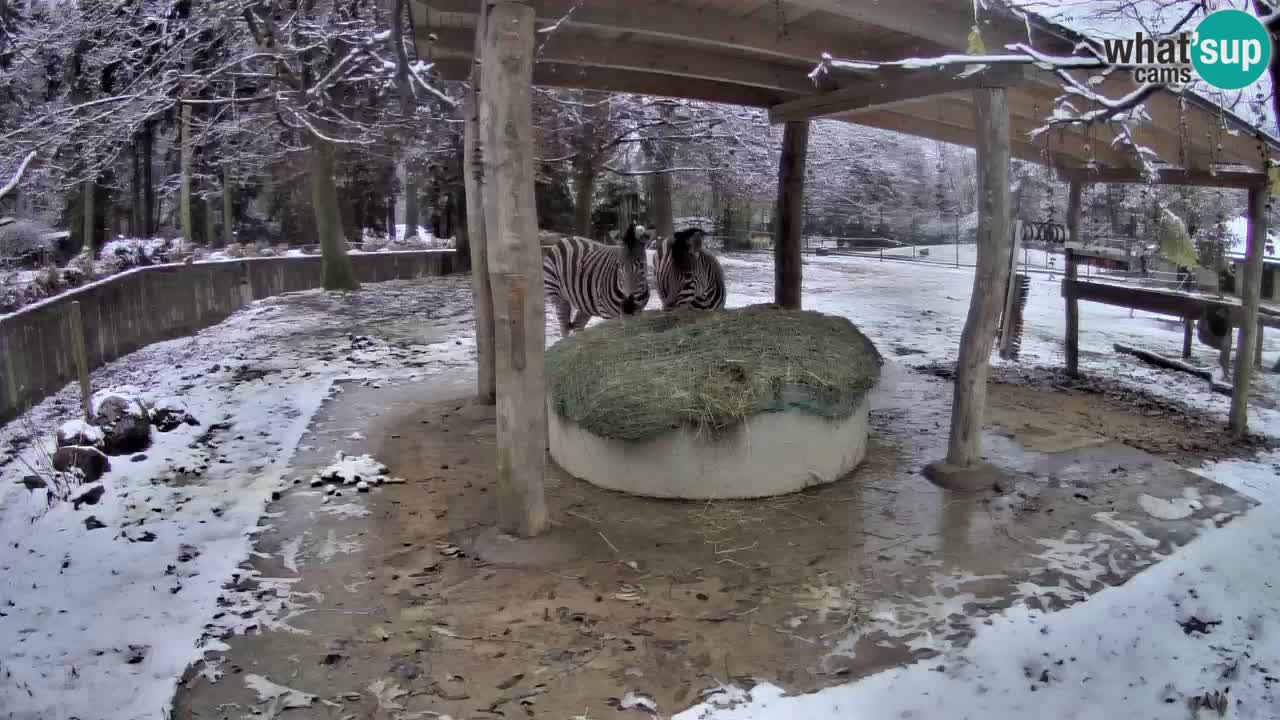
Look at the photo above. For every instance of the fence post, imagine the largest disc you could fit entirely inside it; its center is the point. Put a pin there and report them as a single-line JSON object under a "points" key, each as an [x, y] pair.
{"points": [[81, 357]]}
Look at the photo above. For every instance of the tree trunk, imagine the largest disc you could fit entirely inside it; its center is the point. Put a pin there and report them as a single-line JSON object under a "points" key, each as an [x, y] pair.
{"points": [[515, 262], [228, 206], [90, 217], [148, 186], [184, 202], [584, 185], [210, 221], [974, 363], [1250, 291], [137, 225], [789, 223], [660, 204], [336, 269], [473, 173], [1068, 281]]}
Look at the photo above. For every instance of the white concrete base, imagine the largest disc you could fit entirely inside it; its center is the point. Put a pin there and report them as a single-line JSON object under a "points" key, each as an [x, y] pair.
{"points": [[769, 454]]}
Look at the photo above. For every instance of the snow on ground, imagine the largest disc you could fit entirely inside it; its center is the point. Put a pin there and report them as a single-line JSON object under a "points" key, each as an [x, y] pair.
{"points": [[102, 622]]}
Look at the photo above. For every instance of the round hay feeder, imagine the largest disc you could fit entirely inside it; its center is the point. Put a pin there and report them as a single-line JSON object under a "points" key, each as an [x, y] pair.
{"points": [[744, 403]]}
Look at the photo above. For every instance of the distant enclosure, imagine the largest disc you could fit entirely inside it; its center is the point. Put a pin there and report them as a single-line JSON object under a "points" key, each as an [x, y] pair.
{"points": [[133, 309]]}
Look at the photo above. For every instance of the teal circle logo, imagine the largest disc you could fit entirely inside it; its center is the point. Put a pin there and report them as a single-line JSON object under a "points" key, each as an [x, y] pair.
{"points": [[1231, 49]]}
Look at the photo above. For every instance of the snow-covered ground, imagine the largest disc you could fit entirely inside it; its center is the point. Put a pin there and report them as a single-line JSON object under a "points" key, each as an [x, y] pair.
{"points": [[102, 621]]}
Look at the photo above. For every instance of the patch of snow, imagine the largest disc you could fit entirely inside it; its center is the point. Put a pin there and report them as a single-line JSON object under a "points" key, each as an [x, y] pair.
{"points": [[1124, 648], [81, 429], [289, 553], [1175, 509], [635, 701], [1120, 526], [350, 469], [282, 697], [127, 393]]}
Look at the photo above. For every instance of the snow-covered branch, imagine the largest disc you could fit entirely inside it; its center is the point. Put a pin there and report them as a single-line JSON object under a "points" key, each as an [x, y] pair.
{"points": [[17, 175]]}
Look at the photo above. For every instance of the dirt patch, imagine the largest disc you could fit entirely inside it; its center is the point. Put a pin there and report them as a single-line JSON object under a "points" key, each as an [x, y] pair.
{"points": [[418, 602], [1050, 412], [666, 598]]}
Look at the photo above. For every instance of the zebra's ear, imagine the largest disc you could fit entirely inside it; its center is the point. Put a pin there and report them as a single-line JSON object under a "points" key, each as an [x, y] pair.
{"points": [[632, 239], [695, 241]]}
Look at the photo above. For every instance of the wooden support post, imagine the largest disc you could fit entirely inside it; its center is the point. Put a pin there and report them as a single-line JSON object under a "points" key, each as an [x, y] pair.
{"points": [[481, 293], [789, 226], [1068, 280], [515, 265], [81, 358], [973, 366], [1188, 330], [1250, 291]]}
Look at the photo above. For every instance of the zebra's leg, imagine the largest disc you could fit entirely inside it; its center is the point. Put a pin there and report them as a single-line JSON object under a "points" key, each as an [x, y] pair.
{"points": [[580, 322], [562, 314]]}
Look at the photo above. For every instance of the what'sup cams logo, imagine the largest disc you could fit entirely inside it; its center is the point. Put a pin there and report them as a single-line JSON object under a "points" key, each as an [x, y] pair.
{"points": [[1229, 49]]}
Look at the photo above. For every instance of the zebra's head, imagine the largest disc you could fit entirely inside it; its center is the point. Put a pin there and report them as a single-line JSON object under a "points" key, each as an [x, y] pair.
{"points": [[685, 247], [635, 276]]}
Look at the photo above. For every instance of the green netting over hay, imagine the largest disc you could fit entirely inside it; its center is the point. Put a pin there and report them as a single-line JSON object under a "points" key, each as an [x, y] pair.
{"points": [[641, 376]]}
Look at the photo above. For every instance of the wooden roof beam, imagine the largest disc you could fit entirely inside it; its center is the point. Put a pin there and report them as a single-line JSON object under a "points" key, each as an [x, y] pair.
{"points": [[1168, 176], [945, 23], [687, 24], [894, 88], [582, 77], [943, 132], [564, 48]]}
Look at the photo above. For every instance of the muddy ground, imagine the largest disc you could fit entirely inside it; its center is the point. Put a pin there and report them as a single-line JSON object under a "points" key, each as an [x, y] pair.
{"points": [[416, 609]]}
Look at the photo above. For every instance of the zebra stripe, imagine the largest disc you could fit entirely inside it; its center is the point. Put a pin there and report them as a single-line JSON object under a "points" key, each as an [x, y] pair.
{"points": [[701, 286], [592, 279]]}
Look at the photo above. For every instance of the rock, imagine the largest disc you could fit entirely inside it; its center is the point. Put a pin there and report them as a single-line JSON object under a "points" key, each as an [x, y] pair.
{"points": [[89, 496], [78, 432], [90, 461], [137, 653], [124, 421], [33, 482], [170, 413], [138, 458], [93, 523]]}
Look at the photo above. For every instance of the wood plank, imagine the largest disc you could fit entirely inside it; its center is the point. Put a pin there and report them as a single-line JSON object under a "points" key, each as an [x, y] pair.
{"points": [[684, 24], [481, 292], [565, 48], [946, 24], [941, 131], [1249, 297], [626, 81], [789, 225], [1071, 143], [892, 89], [515, 266], [973, 364], [1169, 176]]}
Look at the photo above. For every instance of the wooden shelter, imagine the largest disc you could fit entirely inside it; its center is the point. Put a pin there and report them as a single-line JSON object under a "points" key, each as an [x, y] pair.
{"points": [[760, 53]]}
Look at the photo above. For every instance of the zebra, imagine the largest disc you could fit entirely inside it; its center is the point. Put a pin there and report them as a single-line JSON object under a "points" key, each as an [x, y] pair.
{"points": [[687, 275], [595, 279]]}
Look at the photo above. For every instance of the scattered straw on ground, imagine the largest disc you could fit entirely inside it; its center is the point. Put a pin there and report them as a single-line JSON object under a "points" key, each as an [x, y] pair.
{"points": [[640, 376]]}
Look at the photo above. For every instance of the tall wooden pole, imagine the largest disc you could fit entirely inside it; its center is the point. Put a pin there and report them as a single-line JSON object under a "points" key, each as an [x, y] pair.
{"points": [[1069, 279], [789, 225], [481, 293], [974, 363], [1250, 291], [515, 265]]}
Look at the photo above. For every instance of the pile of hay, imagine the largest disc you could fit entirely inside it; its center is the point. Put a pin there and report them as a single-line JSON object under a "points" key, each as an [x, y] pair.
{"points": [[641, 376]]}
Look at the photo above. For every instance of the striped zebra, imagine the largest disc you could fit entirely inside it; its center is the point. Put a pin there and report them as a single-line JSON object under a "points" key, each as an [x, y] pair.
{"points": [[687, 275], [596, 280]]}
